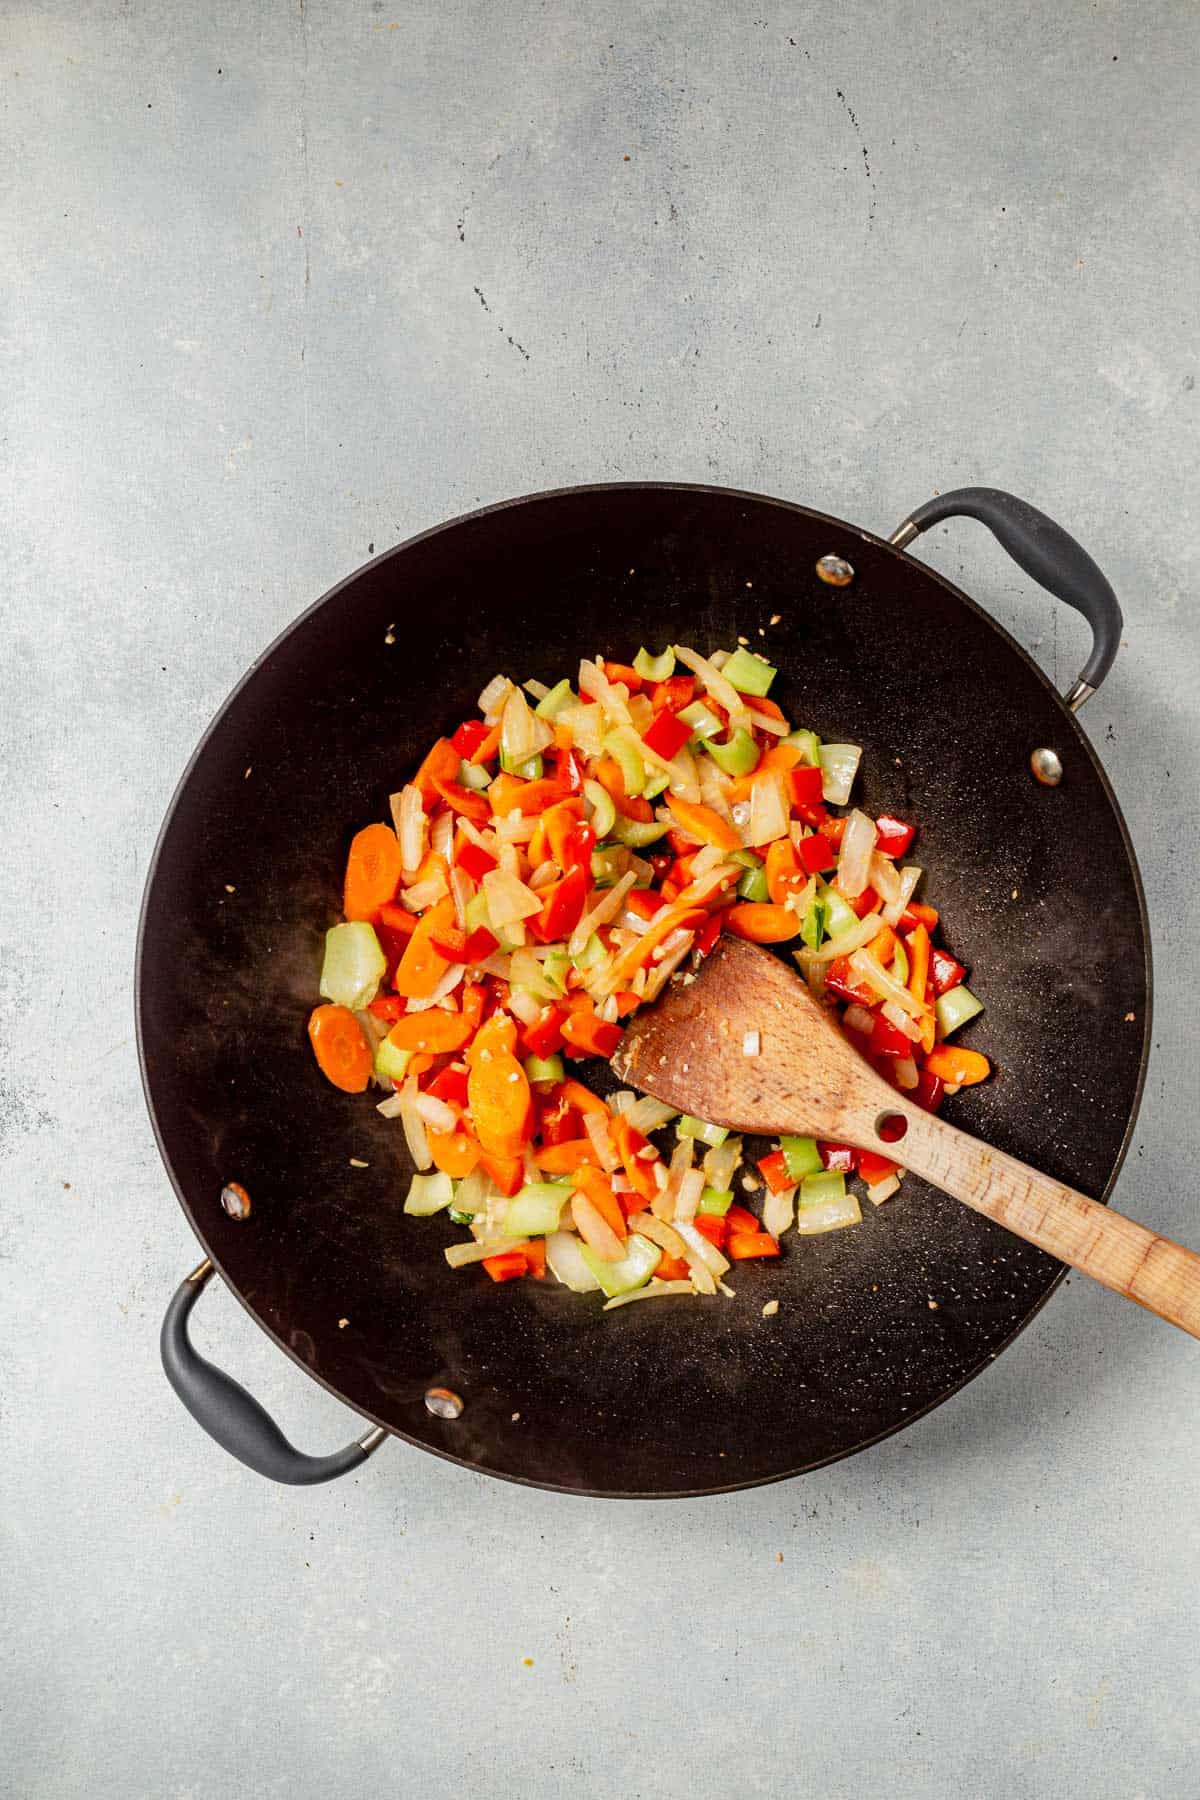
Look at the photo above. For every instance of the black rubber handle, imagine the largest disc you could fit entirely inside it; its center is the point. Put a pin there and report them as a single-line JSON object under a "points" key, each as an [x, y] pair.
{"points": [[1047, 553], [231, 1416]]}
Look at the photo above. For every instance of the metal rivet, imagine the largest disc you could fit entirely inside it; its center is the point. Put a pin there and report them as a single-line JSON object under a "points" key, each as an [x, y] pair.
{"points": [[1047, 768], [443, 1404], [235, 1200], [835, 570]]}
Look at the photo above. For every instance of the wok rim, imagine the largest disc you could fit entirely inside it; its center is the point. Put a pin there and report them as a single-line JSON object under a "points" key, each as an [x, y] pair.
{"points": [[709, 489]]}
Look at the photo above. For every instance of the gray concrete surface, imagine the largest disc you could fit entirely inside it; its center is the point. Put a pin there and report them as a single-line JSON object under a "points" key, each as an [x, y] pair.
{"points": [[286, 281]]}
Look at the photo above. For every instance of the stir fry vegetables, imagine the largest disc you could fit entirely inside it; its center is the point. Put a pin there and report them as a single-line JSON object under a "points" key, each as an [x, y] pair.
{"points": [[547, 869]]}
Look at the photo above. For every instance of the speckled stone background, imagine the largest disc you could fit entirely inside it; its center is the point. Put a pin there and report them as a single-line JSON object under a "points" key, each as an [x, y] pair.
{"points": [[283, 282]]}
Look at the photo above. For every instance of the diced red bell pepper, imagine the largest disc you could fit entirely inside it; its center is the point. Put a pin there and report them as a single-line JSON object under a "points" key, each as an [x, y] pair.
{"points": [[743, 1245], [508, 1266], [708, 934], [451, 945], [816, 853], [479, 945], [840, 983], [561, 1122], [534, 1253], [389, 1006], [469, 736], [774, 1171], [817, 815], [840, 1159], [644, 902], [619, 671], [544, 1037], [667, 734], [562, 908], [888, 1039], [449, 1085], [660, 862], [396, 925], [875, 1169], [806, 786], [713, 1227], [893, 836], [929, 1091], [944, 972], [867, 901], [916, 913], [567, 772], [674, 694], [589, 1036], [473, 860], [739, 1220], [578, 845]]}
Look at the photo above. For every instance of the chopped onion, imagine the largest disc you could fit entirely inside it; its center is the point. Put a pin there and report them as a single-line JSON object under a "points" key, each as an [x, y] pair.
{"points": [[545, 875], [607, 1010], [884, 877], [441, 834], [691, 1186], [445, 986], [705, 859], [472, 1193], [883, 1190], [655, 1290], [909, 877], [871, 971], [659, 1232], [522, 733], [828, 1215], [596, 1126], [436, 1112], [565, 1257], [593, 681], [424, 894], [586, 725], [905, 1070], [714, 788], [607, 907], [525, 1005], [767, 722], [491, 701], [538, 689], [859, 1019], [391, 1108], [408, 816], [462, 892], [663, 1204], [700, 1250], [722, 691], [647, 1114], [595, 1229], [770, 808], [663, 971], [903, 1021], [414, 1125], [508, 899], [839, 766], [459, 1255], [778, 1211], [721, 1164], [854, 858]]}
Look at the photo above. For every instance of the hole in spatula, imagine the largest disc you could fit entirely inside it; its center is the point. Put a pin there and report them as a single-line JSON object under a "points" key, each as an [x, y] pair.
{"points": [[891, 1127]]}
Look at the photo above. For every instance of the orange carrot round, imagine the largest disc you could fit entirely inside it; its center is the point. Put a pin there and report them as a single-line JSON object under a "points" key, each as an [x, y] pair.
{"points": [[956, 1066], [340, 1047], [373, 871], [433, 1030], [761, 924], [455, 1153], [703, 824]]}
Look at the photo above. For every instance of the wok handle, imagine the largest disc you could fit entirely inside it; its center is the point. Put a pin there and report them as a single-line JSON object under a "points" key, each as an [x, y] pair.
{"points": [[231, 1416], [1047, 553]]}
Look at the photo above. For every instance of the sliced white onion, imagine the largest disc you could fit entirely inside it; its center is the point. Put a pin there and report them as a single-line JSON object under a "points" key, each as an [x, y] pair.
{"points": [[508, 898], [691, 1186], [462, 892], [391, 1108], [414, 1125], [608, 905], [839, 766], [720, 1165], [659, 1232], [564, 1254], [442, 989], [526, 1006], [859, 1019], [671, 958], [596, 1126], [884, 877], [459, 1255], [767, 722], [872, 974], [538, 689], [586, 725], [906, 1073], [654, 1290], [408, 816], [441, 834], [424, 894], [436, 1113], [492, 699], [593, 681], [910, 875], [522, 733], [778, 1211], [647, 1115], [700, 1251], [903, 1021], [663, 1204], [770, 809], [706, 858], [722, 691], [854, 857], [545, 875]]}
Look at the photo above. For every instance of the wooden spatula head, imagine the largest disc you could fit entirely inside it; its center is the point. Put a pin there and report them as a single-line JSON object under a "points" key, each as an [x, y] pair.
{"points": [[744, 1044]]}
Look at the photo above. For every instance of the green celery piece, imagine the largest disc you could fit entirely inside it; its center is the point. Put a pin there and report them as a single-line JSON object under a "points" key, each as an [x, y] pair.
{"points": [[815, 920], [809, 745], [655, 668], [474, 776], [593, 952], [429, 1194], [827, 1186], [753, 886], [544, 1068], [840, 916], [532, 769], [737, 757], [712, 1135], [551, 704], [900, 964], [460, 1218], [634, 833], [801, 1156], [748, 673], [657, 782], [715, 1200], [634, 1270], [704, 724], [749, 859], [555, 967], [604, 813], [534, 1211], [354, 965], [621, 744], [955, 1008], [391, 1063]]}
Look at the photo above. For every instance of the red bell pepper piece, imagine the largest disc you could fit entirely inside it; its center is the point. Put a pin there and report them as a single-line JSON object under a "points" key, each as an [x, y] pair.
{"points": [[875, 1169], [816, 815], [660, 862], [743, 1245], [644, 902], [589, 1036], [473, 860], [944, 972], [708, 934], [396, 925], [739, 1220], [667, 735], [888, 1039], [568, 773], [507, 1266], [893, 836], [916, 913], [840, 1159], [816, 853], [578, 845], [774, 1171], [544, 1037], [561, 1122], [867, 901], [674, 694], [806, 787], [479, 945], [469, 736], [450, 1085], [713, 1227], [840, 982], [563, 907], [929, 1091], [389, 1006]]}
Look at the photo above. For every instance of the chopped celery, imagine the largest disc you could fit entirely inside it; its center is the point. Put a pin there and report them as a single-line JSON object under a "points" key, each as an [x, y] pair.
{"points": [[657, 781], [704, 724], [429, 1194], [815, 1189], [533, 1212], [604, 813], [955, 1008], [354, 965], [749, 859], [593, 952], [545, 1068], [635, 834], [474, 775], [750, 674], [738, 756], [531, 769], [715, 1200], [622, 745], [609, 863], [840, 916], [391, 1064], [801, 1156], [712, 1135], [753, 886], [655, 668], [552, 703], [634, 1270], [900, 964], [816, 920], [808, 744], [554, 968]]}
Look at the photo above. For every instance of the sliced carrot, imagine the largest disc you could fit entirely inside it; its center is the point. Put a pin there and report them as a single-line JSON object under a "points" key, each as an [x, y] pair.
{"points": [[702, 823], [373, 871], [463, 800], [595, 1229], [956, 1066], [596, 1185], [918, 967], [534, 1253], [432, 1030], [760, 924], [455, 1153], [590, 1035], [340, 1047], [558, 822], [421, 968], [672, 1268], [883, 945], [783, 872], [508, 1172], [508, 793], [575, 1094], [779, 756], [398, 918], [564, 1159], [671, 918], [487, 747], [498, 1095], [440, 765]]}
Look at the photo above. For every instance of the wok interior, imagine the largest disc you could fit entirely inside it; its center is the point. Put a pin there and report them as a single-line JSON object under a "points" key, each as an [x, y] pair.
{"points": [[1037, 888]]}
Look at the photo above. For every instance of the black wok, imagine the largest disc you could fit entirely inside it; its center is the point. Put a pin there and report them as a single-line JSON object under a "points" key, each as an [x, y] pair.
{"points": [[1037, 883]]}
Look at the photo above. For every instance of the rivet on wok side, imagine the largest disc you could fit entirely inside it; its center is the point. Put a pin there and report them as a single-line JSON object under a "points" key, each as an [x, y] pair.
{"points": [[835, 570], [443, 1404], [1047, 767], [235, 1200]]}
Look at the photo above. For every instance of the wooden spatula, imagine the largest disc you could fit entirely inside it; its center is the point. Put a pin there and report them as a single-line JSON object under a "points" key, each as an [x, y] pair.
{"points": [[744, 1044]]}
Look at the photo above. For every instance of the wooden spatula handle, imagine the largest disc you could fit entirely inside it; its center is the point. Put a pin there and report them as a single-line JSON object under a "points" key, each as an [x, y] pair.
{"points": [[1160, 1275]]}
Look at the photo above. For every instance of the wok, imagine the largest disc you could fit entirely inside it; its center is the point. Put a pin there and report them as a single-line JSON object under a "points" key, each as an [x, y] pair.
{"points": [[1036, 880]]}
